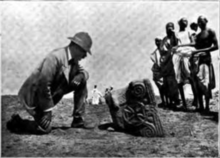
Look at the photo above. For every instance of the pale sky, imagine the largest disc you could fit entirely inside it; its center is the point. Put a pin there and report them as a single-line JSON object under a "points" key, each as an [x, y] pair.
{"points": [[123, 36]]}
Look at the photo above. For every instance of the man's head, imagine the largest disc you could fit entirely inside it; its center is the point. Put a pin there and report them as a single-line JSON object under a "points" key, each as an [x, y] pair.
{"points": [[95, 86], [194, 26], [183, 23], [81, 44], [202, 21], [170, 28], [158, 42]]}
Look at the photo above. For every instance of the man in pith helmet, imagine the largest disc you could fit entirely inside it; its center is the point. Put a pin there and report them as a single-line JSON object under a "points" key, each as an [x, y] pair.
{"points": [[58, 74]]}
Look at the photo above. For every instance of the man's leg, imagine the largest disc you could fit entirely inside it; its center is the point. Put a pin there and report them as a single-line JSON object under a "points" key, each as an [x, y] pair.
{"points": [[180, 86], [44, 117], [58, 96], [194, 90], [162, 96], [43, 120], [80, 96], [207, 98]]}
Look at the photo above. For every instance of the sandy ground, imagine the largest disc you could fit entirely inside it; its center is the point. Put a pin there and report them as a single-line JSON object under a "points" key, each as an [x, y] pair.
{"points": [[188, 134]]}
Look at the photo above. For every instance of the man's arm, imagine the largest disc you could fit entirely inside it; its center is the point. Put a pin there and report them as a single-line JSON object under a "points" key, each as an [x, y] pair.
{"points": [[176, 39], [213, 47], [153, 56], [82, 75], [187, 45]]}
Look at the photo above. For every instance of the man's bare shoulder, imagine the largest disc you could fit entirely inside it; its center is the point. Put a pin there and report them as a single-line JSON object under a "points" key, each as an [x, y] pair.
{"points": [[211, 31]]}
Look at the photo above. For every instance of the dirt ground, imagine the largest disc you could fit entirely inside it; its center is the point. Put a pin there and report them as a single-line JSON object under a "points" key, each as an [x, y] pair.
{"points": [[188, 134]]}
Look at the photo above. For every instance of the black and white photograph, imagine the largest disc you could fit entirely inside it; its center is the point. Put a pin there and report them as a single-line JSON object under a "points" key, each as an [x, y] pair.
{"points": [[109, 78]]}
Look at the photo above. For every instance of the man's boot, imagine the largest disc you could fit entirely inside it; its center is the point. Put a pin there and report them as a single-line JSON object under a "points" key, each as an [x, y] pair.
{"points": [[78, 122]]}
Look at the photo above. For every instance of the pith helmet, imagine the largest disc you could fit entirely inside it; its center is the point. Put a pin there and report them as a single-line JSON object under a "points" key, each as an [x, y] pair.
{"points": [[83, 40]]}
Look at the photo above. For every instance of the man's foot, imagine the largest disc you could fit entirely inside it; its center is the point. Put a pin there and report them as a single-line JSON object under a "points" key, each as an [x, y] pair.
{"points": [[178, 102], [191, 108], [194, 103], [79, 123], [207, 109], [180, 108], [199, 110], [185, 109], [161, 105], [39, 126], [14, 124]]}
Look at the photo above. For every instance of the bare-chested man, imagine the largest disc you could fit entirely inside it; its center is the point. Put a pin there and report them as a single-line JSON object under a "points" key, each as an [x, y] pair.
{"points": [[205, 43]]}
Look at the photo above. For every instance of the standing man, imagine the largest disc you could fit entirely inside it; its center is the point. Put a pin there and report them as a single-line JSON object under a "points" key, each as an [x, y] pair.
{"points": [[96, 95], [205, 43], [183, 34], [167, 68], [181, 59], [156, 69], [58, 74]]}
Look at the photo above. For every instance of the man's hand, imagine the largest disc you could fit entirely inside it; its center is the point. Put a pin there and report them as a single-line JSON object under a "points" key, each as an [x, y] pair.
{"points": [[174, 48], [196, 53], [76, 82], [77, 79], [82, 76]]}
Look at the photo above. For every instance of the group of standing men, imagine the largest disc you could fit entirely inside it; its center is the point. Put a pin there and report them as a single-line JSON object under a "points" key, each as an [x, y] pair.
{"points": [[184, 57]]}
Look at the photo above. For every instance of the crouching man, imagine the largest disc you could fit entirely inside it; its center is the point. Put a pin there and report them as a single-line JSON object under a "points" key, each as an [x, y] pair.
{"points": [[58, 74]]}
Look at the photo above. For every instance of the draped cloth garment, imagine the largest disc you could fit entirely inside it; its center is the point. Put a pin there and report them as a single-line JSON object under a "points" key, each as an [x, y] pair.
{"points": [[181, 63], [206, 74]]}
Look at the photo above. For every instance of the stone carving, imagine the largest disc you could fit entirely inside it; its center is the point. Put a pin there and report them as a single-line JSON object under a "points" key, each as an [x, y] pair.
{"points": [[133, 109]]}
